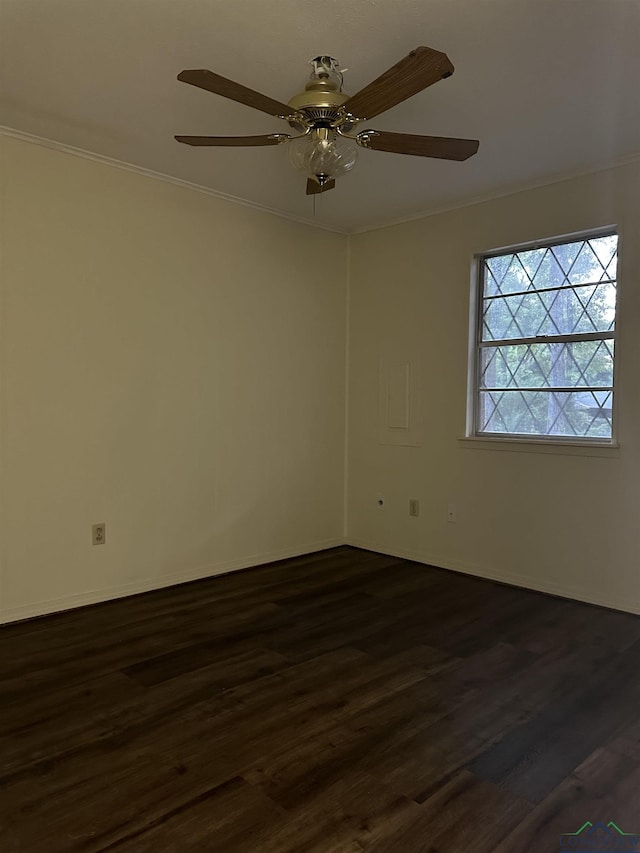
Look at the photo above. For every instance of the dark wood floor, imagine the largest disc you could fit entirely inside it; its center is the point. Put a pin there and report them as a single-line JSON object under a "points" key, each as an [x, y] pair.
{"points": [[336, 703]]}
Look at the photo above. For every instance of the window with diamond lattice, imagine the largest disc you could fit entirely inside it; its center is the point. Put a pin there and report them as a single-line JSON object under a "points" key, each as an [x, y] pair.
{"points": [[545, 345]]}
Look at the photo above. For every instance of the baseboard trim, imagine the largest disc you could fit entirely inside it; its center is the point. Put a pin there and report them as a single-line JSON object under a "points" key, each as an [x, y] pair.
{"points": [[56, 605], [523, 581]]}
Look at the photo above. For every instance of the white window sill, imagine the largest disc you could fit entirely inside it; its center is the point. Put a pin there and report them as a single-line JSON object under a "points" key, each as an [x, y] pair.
{"points": [[533, 445]]}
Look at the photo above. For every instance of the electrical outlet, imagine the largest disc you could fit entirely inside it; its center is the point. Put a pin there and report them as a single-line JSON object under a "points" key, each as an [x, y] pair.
{"points": [[98, 533], [452, 514], [414, 507], [380, 503]]}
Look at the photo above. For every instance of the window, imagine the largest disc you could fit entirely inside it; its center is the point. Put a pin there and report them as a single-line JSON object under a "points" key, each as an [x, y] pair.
{"points": [[545, 340]]}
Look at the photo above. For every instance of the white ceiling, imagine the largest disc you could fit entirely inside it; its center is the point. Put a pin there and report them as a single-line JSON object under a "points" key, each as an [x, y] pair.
{"points": [[549, 87]]}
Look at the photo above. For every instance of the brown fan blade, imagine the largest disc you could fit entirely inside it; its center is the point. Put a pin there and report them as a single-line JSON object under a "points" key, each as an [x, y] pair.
{"points": [[421, 68], [313, 187], [235, 141], [443, 147], [229, 89]]}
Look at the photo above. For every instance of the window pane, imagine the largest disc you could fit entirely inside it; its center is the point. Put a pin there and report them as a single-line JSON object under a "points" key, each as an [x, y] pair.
{"points": [[541, 385], [577, 364], [554, 312], [566, 265], [584, 414]]}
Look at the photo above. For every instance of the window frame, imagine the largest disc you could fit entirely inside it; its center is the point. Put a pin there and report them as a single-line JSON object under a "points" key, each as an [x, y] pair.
{"points": [[473, 433]]}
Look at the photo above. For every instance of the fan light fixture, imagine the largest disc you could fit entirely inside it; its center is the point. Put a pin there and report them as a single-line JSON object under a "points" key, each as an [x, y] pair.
{"points": [[323, 154], [324, 117]]}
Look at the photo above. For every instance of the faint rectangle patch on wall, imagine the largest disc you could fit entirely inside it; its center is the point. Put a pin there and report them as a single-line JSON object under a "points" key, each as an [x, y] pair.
{"points": [[398, 406]]}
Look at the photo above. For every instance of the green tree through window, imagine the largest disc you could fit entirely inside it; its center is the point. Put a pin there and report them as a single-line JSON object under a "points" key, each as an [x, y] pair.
{"points": [[546, 334]]}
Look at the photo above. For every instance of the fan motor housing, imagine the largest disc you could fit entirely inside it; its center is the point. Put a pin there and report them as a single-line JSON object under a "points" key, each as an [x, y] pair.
{"points": [[319, 94], [320, 105]]}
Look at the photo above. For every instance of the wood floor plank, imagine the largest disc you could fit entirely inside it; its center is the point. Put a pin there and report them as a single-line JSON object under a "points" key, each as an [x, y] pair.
{"points": [[222, 818], [354, 813], [465, 814], [603, 788], [535, 757], [339, 702]]}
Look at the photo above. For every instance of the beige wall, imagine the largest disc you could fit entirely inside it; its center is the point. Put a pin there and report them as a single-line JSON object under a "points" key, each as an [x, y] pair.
{"points": [[172, 365], [557, 522]]}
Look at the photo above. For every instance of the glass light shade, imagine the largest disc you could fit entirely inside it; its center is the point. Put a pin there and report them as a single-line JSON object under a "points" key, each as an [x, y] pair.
{"points": [[323, 152]]}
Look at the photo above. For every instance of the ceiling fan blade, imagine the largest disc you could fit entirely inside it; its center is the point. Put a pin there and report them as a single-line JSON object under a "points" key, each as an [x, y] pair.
{"points": [[235, 141], [443, 147], [229, 89], [313, 187], [421, 68]]}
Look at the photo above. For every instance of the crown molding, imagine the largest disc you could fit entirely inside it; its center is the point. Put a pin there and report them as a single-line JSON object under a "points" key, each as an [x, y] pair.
{"points": [[160, 176], [514, 189]]}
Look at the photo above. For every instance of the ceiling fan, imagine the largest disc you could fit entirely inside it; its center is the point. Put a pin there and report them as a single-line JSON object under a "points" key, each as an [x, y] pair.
{"points": [[325, 118]]}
